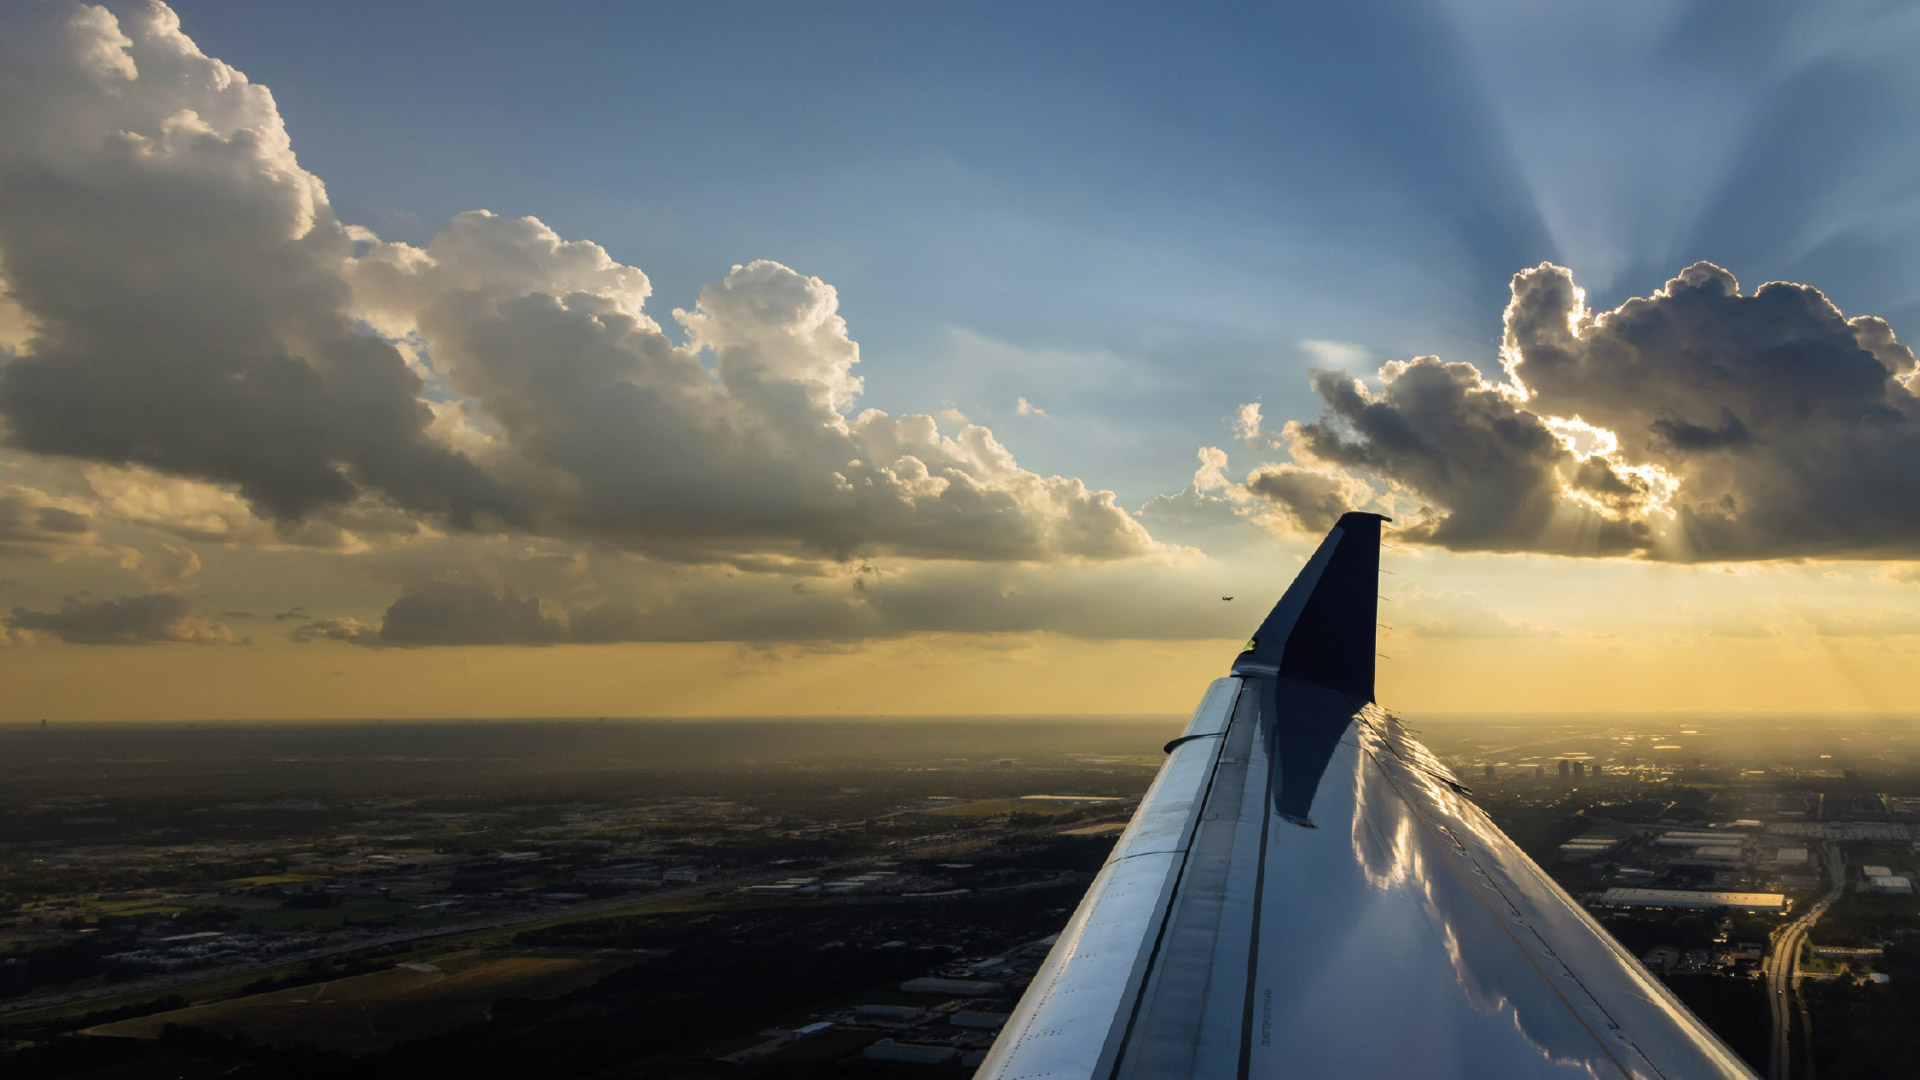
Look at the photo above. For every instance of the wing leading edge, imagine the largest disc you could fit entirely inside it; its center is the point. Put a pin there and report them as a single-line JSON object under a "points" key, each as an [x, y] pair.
{"points": [[1305, 891]]}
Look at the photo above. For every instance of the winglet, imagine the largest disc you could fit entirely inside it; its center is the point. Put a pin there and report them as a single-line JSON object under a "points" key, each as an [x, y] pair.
{"points": [[1322, 630]]}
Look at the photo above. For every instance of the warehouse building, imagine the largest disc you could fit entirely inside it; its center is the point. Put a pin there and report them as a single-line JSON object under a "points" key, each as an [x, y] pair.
{"points": [[1765, 903], [1713, 854], [1587, 848]]}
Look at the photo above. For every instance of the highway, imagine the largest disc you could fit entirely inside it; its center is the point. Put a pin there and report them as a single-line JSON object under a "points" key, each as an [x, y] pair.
{"points": [[1783, 966]]}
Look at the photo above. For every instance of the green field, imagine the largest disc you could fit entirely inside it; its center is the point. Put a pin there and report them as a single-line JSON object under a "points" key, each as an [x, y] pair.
{"points": [[365, 1013], [359, 911], [279, 879], [1001, 807]]}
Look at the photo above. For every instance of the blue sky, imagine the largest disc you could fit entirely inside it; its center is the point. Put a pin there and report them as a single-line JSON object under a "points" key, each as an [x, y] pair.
{"points": [[1191, 191]]}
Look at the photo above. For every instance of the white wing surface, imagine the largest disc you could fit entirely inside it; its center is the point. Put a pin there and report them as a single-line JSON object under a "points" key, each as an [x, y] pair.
{"points": [[1306, 891]]}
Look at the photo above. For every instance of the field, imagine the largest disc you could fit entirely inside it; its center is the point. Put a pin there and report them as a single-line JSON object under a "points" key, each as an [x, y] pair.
{"points": [[357, 911], [278, 879], [1002, 807], [366, 1013]]}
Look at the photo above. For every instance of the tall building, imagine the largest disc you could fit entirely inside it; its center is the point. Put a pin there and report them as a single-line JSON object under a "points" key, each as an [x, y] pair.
{"points": [[1565, 767], [1579, 770]]}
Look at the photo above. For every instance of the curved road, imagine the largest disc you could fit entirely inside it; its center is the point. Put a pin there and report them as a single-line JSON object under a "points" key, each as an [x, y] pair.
{"points": [[1783, 965]]}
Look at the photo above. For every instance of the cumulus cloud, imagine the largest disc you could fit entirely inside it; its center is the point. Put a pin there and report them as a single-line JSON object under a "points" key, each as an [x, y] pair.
{"points": [[1249, 427], [198, 324], [210, 513], [1311, 499], [1284, 499], [133, 620], [33, 522], [338, 629], [179, 270], [1028, 408], [629, 437], [169, 566], [1695, 424], [1210, 513]]}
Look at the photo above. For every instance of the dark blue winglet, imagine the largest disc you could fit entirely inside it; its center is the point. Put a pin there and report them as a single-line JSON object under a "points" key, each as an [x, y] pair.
{"points": [[1320, 633]]}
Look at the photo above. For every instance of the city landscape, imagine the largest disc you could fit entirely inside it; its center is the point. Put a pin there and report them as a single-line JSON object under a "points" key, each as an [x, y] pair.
{"points": [[815, 898]]}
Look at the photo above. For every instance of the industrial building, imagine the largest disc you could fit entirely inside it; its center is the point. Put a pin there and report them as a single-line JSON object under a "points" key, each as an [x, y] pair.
{"points": [[1890, 885], [1765, 903], [1688, 838], [793, 886], [1713, 854], [1585, 848], [810, 1030]]}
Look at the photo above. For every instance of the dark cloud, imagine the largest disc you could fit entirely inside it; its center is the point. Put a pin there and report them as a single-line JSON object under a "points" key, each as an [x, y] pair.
{"points": [[1694, 424], [1487, 472], [447, 613], [1729, 434], [1313, 500], [464, 613], [451, 613], [133, 620], [1791, 429]]}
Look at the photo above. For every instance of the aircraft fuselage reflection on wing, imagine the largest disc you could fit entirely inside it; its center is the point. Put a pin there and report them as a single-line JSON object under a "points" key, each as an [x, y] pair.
{"points": [[1306, 891]]}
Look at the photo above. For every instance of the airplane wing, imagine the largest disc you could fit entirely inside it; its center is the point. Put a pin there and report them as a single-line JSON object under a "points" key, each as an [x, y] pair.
{"points": [[1306, 891]]}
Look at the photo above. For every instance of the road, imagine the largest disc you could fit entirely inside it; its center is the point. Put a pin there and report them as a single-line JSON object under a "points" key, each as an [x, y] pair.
{"points": [[1783, 967]]}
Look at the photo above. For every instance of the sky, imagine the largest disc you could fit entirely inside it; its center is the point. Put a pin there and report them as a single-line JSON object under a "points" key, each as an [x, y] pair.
{"points": [[472, 359]]}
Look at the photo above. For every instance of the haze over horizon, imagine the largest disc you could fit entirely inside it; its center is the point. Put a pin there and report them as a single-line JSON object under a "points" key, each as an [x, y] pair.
{"points": [[473, 360]]}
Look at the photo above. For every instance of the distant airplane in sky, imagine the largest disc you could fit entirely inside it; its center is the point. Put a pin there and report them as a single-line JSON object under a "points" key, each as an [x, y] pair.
{"points": [[1306, 891], [1226, 598]]}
